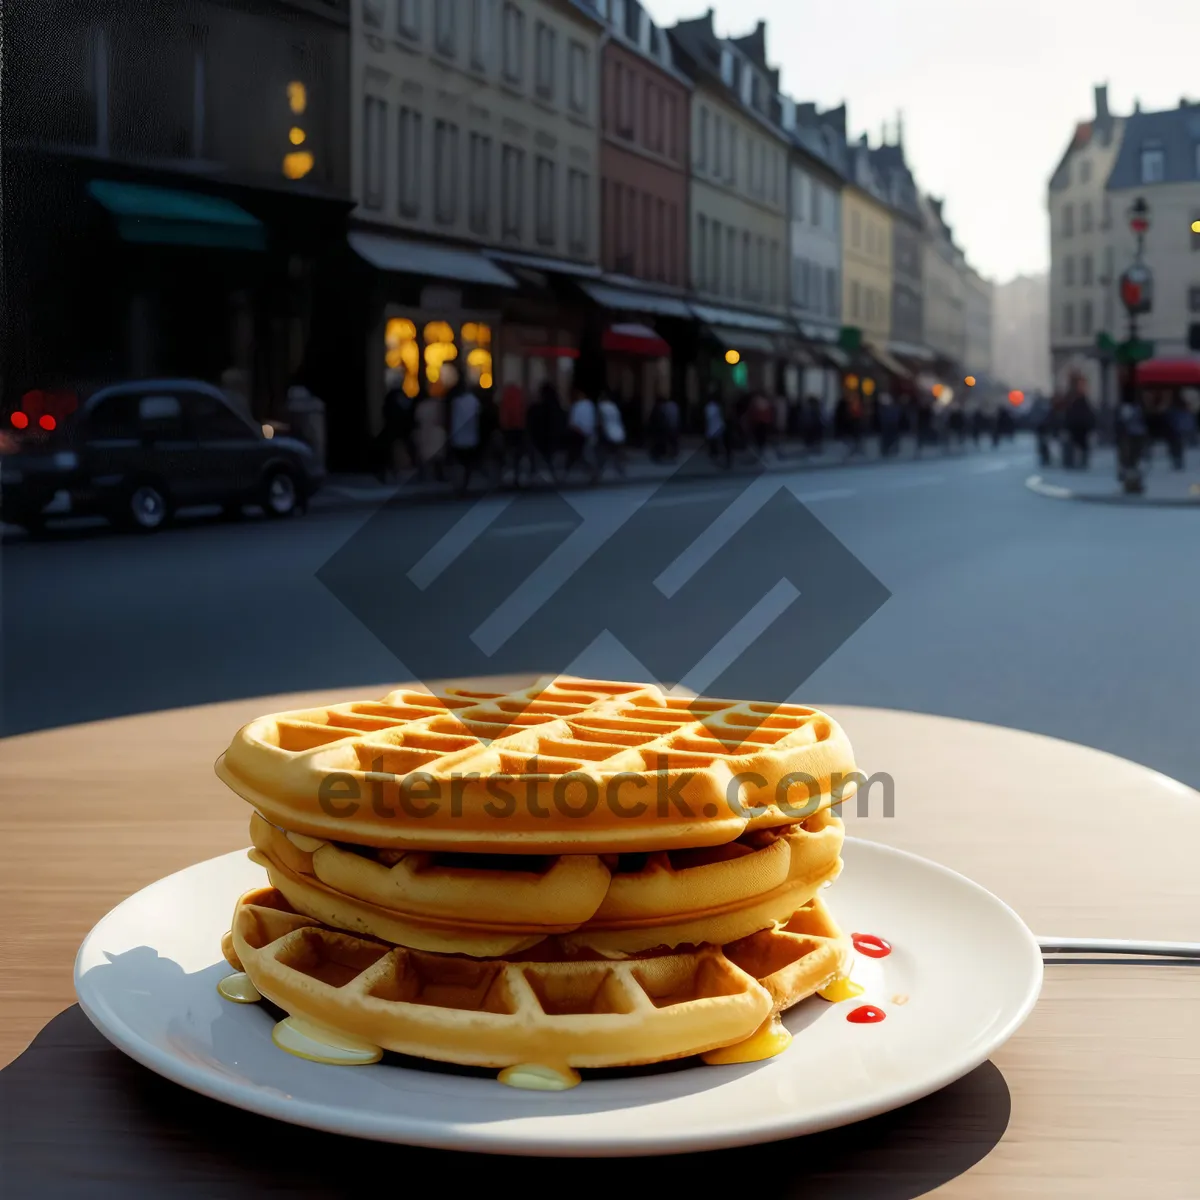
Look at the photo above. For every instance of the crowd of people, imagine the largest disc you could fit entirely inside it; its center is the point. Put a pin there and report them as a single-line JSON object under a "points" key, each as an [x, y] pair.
{"points": [[1068, 424], [466, 435]]}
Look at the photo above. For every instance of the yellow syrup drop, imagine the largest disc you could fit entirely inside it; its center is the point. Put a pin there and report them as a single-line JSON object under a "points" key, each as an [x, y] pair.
{"points": [[841, 989], [239, 989], [770, 1039], [534, 1077], [306, 1039]]}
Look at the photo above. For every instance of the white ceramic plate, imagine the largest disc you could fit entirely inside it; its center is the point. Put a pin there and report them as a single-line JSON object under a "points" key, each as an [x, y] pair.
{"points": [[971, 972]]}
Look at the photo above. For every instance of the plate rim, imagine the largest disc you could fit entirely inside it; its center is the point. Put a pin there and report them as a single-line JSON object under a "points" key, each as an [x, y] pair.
{"points": [[441, 1135]]}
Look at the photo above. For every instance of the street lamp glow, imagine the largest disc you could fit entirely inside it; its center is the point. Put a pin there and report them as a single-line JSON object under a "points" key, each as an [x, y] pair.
{"points": [[295, 135], [297, 97], [1196, 226], [297, 164], [732, 357], [852, 382], [868, 387], [969, 381]]}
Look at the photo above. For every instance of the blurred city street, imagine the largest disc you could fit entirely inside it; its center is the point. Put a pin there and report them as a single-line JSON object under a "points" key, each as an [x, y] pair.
{"points": [[1071, 620]]}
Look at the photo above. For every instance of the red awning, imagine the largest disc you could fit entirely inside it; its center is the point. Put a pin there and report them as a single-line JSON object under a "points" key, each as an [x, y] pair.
{"points": [[1183, 372], [635, 339]]}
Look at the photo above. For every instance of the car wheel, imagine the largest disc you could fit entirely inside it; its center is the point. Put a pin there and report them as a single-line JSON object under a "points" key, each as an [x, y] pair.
{"points": [[147, 507], [281, 496]]}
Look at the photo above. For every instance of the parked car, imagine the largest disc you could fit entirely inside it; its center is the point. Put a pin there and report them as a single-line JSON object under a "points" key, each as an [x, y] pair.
{"points": [[137, 453]]}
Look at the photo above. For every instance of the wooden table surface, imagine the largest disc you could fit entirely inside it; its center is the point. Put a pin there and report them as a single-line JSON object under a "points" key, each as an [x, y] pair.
{"points": [[1103, 1081]]}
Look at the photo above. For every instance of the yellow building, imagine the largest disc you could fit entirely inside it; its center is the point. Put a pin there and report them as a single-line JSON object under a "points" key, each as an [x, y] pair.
{"points": [[866, 253]]}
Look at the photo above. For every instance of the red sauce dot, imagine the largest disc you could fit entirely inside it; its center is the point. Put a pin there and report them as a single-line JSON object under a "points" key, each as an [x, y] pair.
{"points": [[868, 1014], [870, 945]]}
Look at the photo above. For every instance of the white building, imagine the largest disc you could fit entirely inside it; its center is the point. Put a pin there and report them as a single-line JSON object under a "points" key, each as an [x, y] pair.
{"points": [[1083, 267], [1159, 161]]}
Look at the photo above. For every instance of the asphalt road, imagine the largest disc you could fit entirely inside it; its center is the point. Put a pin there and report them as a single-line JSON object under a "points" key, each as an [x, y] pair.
{"points": [[943, 587]]}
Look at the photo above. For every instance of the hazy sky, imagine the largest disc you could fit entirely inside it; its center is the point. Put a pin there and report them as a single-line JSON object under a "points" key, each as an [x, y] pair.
{"points": [[990, 90]]}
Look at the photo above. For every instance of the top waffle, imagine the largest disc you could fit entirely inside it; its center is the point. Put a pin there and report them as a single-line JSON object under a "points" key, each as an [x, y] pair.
{"points": [[565, 766]]}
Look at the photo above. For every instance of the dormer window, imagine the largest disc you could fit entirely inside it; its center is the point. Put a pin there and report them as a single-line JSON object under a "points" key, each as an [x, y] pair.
{"points": [[727, 65]]}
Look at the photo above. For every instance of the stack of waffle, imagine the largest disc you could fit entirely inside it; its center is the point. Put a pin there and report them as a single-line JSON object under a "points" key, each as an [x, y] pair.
{"points": [[584, 874]]}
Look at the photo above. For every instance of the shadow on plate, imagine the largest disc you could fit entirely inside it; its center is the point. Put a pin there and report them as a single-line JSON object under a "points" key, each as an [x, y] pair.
{"points": [[84, 1120]]}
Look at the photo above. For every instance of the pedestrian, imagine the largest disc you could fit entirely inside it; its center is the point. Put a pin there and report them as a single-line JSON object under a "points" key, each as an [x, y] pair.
{"points": [[1079, 420], [466, 430], [762, 422], [545, 425], [611, 436], [1180, 421], [581, 432], [1049, 425], [399, 426], [956, 426], [714, 429], [512, 420], [979, 424], [889, 425], [429, 435], [672, 420], [814, 426]]}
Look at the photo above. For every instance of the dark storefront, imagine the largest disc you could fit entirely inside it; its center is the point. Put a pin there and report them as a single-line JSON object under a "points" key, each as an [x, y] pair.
{"points": [[168, 217]]}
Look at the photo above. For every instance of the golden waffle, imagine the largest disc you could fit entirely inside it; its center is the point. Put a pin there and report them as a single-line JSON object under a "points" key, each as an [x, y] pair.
{"points": [[560, 1012], [618, 905], [566, 766]]}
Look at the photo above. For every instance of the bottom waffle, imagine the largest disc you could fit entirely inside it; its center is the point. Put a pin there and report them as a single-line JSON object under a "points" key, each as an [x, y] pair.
{"points": [[556, 1011]]}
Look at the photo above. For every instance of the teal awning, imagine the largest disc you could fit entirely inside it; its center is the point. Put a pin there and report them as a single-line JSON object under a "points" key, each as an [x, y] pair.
{"points": [[166, 217]]}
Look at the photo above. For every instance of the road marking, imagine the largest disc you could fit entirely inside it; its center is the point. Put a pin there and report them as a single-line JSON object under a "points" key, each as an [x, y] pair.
{"points": [[720, 532], [455, 542], [738, 640], [533, 528]]}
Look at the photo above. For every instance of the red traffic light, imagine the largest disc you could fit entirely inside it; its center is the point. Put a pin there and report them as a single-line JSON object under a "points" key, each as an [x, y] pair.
{"points": [[1016, 398], [47, 422], [19, 420]]}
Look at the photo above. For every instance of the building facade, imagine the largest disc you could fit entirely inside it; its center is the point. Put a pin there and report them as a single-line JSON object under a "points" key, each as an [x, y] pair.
{"points": [[476, 171], [944, 305], [739, 203], [1083, 266], [907, 317], [978, 334], [1159, 162], [165, 214], [867, 232], [644, 119]]}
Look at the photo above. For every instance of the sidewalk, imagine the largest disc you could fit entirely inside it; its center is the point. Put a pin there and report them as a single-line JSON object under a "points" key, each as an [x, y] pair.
{"points": [[1099, 483], [341, 490]]}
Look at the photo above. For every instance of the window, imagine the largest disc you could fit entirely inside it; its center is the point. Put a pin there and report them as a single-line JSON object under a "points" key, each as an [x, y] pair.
{"points": [[774, 272], [760, 284], [832, 306], [577, 72], [751, 174], [816, 201], [1085, 217], [733, 153], [1069, 271], [1068, 320], [855, 300], [445, 173], [800, 282], [512, 183], [374, 151], [481, 34], [514, 43], [209, 419], [1068, 220], [661, 248], [1106, 213], [409, 189], [409, 22], [702, 140], [672, 227], [577, 212], [1194, 299], [730, 259], [647, 266], [746, 264], [672, 121], [1108, 265], [625, 85], [1085, 270], [651, 125], [715, 279], [1085, 170], [544, 61], [544, 201], [718, 165], [701, 276], [481, 182], [443, 28], [374, 13], [1153, 163], [1086, 320]]}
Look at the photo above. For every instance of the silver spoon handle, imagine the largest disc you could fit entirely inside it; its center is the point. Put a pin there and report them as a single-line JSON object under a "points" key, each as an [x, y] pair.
{"points": [[1115, 946]]}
